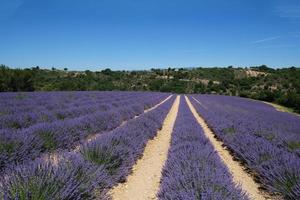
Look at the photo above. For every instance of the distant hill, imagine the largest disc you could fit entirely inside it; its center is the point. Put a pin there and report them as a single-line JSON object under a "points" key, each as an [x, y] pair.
{"points": [[263, 83]]}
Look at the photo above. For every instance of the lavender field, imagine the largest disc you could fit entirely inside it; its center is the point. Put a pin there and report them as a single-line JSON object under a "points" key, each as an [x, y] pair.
{"points": [[83, 145], [265, 140]]}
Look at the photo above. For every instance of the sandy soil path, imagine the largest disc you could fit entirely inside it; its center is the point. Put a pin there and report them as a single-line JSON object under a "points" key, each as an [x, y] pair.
{"points": [[144, 182], [240, 176]]}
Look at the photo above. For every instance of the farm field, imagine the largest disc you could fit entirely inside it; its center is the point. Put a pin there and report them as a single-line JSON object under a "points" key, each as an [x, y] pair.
{"points": [[146, 145]]}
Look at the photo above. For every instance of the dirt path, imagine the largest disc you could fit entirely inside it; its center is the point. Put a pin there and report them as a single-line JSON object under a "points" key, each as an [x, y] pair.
{"points": [[144, 181], [240, 176]]}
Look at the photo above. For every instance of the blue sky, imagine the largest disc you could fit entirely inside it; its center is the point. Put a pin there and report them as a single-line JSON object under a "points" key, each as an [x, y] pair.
{"points": [[140, 34]]}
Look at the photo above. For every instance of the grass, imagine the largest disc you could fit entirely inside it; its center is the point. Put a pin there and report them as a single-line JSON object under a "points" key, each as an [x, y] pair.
{"points": [[229, 131], [49, 142], [102, 156], [268, 136], [292, 145], [282, 108], [2, 113], [60, 116], [34, 190], [15, 125], [8, 147], [264, 157], [286, 184], [20, 96]]}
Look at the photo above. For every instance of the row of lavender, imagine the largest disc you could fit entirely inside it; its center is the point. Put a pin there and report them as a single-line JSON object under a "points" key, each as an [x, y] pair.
{"points": [[193, 170], [265, 139], [25, 144], [33, 108], [90, 172]]}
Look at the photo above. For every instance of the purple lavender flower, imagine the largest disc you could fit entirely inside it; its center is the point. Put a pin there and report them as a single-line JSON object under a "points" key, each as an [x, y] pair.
{"points": [[264, 139], [193, 170]]}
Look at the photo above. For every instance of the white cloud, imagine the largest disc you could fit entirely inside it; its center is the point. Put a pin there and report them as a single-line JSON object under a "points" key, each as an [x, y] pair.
{"points": [[278, 46], [265, 40]]}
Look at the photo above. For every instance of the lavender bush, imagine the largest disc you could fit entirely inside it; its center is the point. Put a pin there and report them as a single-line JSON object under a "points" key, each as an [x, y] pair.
{"points": [[77, 120], [193, 170], [72, 178], [117, 151], [22, 113], [261, 137], [89, 173]]}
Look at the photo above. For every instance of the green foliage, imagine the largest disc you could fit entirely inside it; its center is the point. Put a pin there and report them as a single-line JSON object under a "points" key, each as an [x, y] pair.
{"points": [[286, 182], [38, 190], [8, 147], [291, 99], [263, 157], [16, 79], [199, 88], [174, 86], [48, 139], [102, 156], [156, 84], [292, 145], [14, 124], [229, 131]]}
